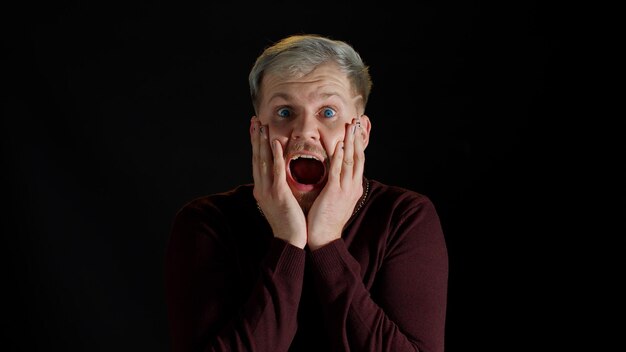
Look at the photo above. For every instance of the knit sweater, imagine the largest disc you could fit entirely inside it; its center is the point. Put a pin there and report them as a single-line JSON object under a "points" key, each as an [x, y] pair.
{"points": [[232, 286]]}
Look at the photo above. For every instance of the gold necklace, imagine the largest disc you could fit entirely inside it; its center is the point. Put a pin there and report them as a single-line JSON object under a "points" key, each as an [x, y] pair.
{"points": [[363, 197]]}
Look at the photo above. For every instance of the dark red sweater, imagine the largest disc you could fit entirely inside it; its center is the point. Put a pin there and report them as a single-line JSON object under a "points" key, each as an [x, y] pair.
{"points": [[231, 286]]}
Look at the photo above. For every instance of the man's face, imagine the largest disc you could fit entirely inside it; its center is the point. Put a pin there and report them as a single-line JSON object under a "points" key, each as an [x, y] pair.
{"points": [[308, 115]]}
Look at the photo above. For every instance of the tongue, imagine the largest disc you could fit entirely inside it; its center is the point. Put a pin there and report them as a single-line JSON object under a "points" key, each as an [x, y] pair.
{"points": [[307, 171]]}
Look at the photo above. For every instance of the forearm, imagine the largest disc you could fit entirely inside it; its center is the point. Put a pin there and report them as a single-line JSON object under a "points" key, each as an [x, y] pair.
{"points": [[356, 322], [212, 308], [268, 320]]}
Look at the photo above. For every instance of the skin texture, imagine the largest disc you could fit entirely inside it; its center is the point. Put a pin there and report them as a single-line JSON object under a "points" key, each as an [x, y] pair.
{"points": [[317, 114]]}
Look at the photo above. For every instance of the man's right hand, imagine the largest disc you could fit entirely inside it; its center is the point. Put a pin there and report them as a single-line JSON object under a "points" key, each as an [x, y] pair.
{"points": [[271, 191]]}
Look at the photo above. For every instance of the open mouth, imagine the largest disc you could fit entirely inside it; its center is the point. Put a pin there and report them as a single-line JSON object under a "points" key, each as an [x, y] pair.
{"points": [[307, 170]]}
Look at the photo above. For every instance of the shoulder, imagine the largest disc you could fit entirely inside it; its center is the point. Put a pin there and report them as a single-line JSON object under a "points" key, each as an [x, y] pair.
{"points": [[404, 215], [222, 204], [397, 210], [397, 198]]}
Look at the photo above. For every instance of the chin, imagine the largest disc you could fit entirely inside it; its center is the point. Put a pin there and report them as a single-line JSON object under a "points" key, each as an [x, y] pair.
{"points": [[306, 199]]}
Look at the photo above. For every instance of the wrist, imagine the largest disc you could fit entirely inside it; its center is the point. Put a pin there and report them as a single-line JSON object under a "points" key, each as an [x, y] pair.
{"points": [[317, 244]]}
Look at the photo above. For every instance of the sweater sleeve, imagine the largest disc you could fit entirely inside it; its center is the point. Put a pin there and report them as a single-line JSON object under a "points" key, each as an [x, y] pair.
{"points": [[209, 309], [410, 289]]}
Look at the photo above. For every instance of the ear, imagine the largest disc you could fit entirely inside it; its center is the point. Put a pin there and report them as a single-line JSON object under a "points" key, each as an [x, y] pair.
{"points": [[366, 127]]}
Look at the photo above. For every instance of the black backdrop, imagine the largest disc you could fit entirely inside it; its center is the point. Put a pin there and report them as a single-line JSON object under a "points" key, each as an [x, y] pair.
{"points": [[116, 115]]}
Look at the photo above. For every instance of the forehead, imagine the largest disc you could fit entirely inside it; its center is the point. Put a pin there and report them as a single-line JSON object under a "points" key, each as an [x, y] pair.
{"points": [[323, 82]]}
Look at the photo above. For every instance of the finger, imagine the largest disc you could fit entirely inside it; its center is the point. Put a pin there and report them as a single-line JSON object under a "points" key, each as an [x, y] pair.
{"points": [[254, 139], [280, 174], [265, 155], [348, 153], [336, 163], [359, 153]]}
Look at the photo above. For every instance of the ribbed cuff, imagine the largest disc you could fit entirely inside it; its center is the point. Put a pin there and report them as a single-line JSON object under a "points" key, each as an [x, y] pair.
{"points": [[286, 259], [333, 258]]}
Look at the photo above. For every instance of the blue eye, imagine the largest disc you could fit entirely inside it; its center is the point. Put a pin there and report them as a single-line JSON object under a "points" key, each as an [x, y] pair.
{"points": [[328, 112], [284, 112]]}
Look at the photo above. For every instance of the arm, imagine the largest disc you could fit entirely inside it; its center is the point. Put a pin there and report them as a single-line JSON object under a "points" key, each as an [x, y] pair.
{"points": [[207, 308], [406, 309]]}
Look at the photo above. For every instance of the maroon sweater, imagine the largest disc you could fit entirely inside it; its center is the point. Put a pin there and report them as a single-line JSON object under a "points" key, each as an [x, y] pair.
{"points": [[232, 286]]}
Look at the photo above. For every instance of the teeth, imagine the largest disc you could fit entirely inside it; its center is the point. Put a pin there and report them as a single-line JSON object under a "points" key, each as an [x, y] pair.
{"points": [[305, 157]]}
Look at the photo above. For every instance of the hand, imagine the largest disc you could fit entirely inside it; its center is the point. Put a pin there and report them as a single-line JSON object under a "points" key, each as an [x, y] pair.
{"points": [[334, 206], [271, 191]]}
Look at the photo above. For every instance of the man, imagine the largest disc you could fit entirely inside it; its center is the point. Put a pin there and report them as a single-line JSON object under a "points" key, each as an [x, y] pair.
{"points": [[313, 256]]}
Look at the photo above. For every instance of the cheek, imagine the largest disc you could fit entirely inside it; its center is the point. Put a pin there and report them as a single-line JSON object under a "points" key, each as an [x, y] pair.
{"points": [[330, 144], [277, 132]]}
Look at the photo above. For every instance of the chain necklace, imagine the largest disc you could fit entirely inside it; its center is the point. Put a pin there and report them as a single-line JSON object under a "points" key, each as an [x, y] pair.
{"points": [[363, 197]]}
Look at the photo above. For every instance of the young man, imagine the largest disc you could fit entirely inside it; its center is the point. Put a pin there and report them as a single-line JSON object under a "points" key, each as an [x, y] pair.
{"points": [[313, 256]]}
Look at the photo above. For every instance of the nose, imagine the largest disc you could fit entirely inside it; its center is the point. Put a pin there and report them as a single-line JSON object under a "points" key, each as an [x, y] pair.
{"points": [[306, 127]]}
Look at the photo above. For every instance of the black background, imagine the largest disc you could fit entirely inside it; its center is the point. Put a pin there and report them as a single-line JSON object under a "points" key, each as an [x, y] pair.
{"points": [[115, 115]]}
